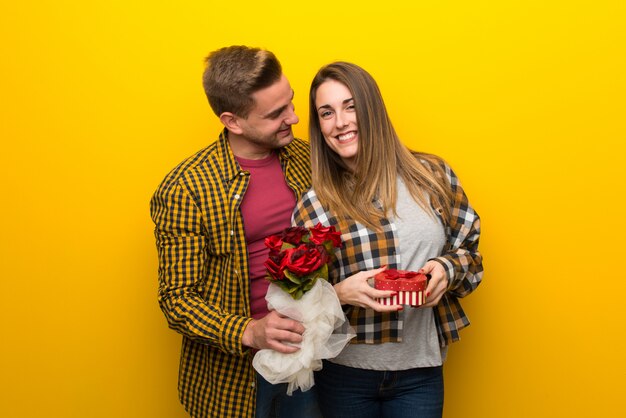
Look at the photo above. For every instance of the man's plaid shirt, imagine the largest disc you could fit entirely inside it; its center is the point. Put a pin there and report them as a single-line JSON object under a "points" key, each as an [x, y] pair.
{"points": [[204, 288], [365, 249]]}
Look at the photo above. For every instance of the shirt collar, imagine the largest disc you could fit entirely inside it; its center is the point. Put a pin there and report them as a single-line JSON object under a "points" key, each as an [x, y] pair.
{"points": [[230, 166]]}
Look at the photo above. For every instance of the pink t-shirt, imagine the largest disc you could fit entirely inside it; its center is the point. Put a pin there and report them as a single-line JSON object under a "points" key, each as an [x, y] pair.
{"points": [[266, 209]]}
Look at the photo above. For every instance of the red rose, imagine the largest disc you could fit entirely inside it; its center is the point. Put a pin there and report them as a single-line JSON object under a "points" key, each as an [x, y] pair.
{"points": [[299, 256], [320, 234], [274, 266], [294, 234], [274, 243], [304, 259]]}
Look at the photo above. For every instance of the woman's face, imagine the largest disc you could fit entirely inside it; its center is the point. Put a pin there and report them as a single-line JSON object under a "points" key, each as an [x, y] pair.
{"points": [[337, 116]]}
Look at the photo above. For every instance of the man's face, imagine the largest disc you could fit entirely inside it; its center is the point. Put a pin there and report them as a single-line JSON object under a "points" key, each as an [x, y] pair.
{"points": [[268, 125]]}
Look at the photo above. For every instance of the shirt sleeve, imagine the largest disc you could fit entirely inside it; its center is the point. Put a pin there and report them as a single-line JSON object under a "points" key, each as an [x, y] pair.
{"points": [[182, 252], [462, 260]]}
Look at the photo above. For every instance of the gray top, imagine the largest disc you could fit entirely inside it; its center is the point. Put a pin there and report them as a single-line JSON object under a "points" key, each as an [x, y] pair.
{"points": [[420, 238]]}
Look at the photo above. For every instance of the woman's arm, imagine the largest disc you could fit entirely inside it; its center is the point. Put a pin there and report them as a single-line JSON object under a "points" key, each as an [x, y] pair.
{"points": [[461, 260]]}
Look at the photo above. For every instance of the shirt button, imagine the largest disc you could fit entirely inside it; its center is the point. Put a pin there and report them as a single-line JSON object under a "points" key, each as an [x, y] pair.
{"points": [[237, 196], [232, 232], [252, 384]]}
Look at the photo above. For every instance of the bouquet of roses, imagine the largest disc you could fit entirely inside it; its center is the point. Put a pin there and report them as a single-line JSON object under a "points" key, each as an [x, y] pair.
{"points": [[298, 258]]}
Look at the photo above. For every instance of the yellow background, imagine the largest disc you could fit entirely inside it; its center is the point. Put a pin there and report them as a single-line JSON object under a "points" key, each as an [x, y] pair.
{"points": [[525, 99]]}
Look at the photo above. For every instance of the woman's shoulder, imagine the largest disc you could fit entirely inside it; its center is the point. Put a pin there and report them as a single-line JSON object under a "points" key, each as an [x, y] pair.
{"points": [[309, 196], [308, 201], [309, 209], [434, 163], [437, 166], [430, 160]]}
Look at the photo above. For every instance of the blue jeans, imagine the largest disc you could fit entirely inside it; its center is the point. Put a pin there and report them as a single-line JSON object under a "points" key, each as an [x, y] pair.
{"points": [[346, 392], [272, 401]]}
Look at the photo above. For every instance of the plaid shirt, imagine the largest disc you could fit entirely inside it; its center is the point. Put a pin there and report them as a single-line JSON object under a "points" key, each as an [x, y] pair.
{"points": [[204, 288], [365, 249]]}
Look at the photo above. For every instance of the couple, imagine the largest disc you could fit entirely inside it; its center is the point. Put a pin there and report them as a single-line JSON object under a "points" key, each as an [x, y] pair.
{"points": [[394, 207]]}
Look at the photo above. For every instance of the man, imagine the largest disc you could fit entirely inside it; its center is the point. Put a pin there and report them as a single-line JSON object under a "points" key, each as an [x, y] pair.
{"points": [[212, 214]]}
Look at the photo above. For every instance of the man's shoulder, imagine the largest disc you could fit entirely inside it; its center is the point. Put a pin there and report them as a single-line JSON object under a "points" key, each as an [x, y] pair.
{"points": [[299, 142], [299, 148], [200, 160]]}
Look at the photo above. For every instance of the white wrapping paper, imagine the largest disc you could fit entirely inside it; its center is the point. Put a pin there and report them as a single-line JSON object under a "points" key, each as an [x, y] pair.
{"points": [[320, 312]]}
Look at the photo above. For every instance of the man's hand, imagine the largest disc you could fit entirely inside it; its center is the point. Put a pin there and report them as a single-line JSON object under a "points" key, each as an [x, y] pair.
{"points": [[274, 331]]}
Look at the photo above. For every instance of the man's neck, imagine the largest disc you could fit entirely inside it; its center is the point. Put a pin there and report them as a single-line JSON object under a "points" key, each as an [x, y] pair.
{"points": [[243, 148]]}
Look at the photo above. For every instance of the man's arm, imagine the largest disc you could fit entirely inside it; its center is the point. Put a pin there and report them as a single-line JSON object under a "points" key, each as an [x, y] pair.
{"points": [[182, 252]]}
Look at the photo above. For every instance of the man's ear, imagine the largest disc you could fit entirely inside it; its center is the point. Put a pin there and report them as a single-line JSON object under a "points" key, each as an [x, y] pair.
{"points": [[231, 122]]}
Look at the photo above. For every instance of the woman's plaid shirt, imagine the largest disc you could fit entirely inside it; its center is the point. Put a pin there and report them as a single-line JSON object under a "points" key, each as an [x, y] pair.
{"points": [[365, 249], [204, 288]]}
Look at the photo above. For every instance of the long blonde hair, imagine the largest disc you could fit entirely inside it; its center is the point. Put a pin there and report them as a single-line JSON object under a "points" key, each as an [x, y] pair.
{"points": [[381, 158]]}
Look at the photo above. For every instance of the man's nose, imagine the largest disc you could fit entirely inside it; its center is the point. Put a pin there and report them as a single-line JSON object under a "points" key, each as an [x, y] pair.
{"points": [[292, 118]]}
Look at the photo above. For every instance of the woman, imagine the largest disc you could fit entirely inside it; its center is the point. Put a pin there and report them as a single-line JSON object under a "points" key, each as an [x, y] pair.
{"points": [[397, 209]]}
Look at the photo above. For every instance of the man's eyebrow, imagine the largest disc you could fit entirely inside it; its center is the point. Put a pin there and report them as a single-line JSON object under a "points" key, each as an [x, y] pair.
{"points": [[275, 113]]}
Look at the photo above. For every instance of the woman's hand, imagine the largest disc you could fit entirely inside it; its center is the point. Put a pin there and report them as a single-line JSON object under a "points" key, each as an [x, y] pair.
{"points": [[437, 284], [355, 290]]}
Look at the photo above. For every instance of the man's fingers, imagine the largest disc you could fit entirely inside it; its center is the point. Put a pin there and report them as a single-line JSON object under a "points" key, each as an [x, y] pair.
{"points": [[284, 335], [274, 331], [282, 348], [278, 321], [285, 340]]}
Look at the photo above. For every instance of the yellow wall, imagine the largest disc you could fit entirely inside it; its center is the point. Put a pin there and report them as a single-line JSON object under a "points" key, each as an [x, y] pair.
{"points": [[526, 100]]}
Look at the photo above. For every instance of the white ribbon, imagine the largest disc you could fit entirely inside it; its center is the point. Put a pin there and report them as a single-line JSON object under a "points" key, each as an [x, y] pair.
{"points": [[320, 312]]}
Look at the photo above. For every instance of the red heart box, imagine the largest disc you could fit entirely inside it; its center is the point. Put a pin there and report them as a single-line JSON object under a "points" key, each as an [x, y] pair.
{"points": [[410, 286]]}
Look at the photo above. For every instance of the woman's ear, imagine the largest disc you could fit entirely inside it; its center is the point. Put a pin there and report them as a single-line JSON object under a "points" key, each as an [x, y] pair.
{"points": [[231, 122]]}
